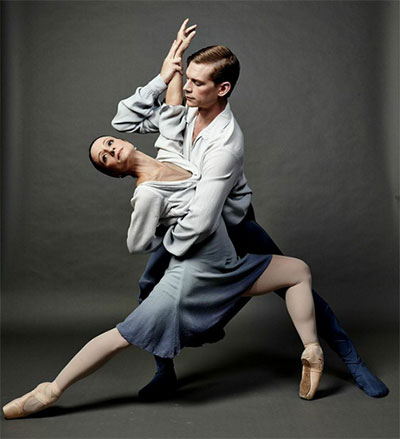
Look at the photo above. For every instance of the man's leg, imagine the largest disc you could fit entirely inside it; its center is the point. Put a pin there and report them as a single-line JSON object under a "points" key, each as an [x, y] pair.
{"points": [[249, 237], [164, 383]]}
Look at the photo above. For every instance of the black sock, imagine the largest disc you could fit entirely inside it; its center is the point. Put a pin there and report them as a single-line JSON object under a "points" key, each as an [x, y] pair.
{"points": [[164, 383]]}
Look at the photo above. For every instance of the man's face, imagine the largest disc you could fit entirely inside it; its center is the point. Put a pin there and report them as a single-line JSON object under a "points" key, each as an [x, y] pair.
{"points": [[200, 90], [116, 155]]}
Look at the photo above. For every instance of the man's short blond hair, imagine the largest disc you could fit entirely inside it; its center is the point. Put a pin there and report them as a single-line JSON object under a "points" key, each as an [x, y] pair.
{"points": [[227, 67]]}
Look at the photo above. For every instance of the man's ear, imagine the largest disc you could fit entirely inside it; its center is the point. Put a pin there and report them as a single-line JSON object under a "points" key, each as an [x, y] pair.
{"points": [[224, 88]]}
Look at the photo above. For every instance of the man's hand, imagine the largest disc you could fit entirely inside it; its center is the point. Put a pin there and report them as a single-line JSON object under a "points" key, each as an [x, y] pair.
{"points": [[173, 61], [185, 35]]}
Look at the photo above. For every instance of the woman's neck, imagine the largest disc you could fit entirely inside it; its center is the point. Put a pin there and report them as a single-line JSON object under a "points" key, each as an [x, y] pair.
{"points": [[145, 167], [148, 169]]}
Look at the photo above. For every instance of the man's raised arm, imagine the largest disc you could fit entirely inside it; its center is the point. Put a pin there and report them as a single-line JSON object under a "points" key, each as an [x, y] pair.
{"points": [[140, 112]]}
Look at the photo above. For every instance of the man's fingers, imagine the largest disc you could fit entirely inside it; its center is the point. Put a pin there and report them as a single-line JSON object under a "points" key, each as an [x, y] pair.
{"points": [[191, 36], [189, 29], [187, 41], [183, 32], [183, 26], [183, 38]]}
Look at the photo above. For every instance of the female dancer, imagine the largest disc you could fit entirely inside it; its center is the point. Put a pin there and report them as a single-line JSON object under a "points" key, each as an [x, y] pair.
{"points": [[195, 294]]}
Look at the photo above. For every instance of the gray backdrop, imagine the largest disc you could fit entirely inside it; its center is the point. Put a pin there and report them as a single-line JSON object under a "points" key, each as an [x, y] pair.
{"points": [[317, 101]]}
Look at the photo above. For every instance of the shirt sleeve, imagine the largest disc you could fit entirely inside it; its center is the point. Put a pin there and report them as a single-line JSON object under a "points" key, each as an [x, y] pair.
{"points": [[172, 125], [220, 172], [147, 207], [140, 112]]}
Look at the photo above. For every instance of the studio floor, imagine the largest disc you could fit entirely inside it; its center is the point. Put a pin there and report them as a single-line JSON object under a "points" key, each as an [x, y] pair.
{"points": [[242, 387]]}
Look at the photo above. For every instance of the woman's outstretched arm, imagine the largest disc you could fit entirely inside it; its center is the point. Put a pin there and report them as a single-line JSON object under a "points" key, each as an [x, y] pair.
{"points": [[140, 112]]}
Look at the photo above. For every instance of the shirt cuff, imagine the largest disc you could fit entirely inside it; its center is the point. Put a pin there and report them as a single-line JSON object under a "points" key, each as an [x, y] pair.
{"points": [[157, 85], [172, 110]]}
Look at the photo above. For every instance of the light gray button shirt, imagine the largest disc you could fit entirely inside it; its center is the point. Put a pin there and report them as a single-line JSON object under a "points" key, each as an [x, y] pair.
{"points": [[162, 202], [218, 154]]}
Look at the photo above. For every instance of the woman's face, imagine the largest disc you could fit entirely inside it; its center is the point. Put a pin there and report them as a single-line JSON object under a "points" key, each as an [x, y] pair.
{"points": [[116, 155]]}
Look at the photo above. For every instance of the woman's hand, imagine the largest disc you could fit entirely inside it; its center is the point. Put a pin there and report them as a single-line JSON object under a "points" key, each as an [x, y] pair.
{"points": [[173, 61]]}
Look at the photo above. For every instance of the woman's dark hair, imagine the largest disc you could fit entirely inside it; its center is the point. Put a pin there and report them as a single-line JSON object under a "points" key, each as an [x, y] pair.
{"points": [[96, 165]]}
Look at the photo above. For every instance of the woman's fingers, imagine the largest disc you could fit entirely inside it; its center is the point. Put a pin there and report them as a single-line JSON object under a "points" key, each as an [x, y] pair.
{"points": [[172, 49], [178, 67], [178, 44], [177, 49], [172, 62]]}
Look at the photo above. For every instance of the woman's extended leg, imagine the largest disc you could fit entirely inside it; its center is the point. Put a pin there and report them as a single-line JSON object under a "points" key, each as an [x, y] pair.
{"points": [[90, 358], [295, 275]]}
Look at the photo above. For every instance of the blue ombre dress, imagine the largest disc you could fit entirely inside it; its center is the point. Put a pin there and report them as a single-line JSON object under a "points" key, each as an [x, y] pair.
{"points": [[190, 304]]}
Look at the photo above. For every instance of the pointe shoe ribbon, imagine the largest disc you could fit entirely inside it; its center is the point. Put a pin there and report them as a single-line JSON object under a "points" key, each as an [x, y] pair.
{"points": [[313, 365], [36, 400]]}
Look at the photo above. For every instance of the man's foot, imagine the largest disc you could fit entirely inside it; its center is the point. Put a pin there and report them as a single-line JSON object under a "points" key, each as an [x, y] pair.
{"points": [[40, 398], [366, 380], [362, 376], [162, 386], [330, 329]]}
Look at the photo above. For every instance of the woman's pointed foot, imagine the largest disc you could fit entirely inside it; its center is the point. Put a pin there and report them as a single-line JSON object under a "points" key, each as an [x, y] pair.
{"points": [[313, 364], [38, 399]]}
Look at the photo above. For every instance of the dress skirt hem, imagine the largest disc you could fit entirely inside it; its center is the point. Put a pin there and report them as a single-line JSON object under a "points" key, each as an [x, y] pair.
{"points": [[193, 300]]}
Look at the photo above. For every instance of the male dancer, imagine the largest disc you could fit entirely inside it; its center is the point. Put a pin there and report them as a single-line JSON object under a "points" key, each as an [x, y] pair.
{"points": [[214, 143]]}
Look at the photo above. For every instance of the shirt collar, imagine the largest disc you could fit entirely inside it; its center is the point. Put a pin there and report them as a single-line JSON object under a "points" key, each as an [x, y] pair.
{"points": [[216, 125]]}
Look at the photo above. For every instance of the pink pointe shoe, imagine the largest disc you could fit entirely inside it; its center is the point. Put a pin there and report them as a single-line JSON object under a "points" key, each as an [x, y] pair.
{"points": [[40, 398], [313, 364]]}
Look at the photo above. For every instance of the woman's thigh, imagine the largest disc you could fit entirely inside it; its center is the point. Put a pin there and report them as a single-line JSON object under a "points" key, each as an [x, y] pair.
{"points": [[282, 272]]}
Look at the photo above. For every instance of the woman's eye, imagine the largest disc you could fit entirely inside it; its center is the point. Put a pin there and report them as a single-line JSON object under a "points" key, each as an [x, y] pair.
{"points": [[104, 158], [110, 142]]}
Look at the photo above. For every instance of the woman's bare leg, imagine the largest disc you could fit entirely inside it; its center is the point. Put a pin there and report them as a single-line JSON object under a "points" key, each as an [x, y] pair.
{"points": [[294, 274], [90, 358]]}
